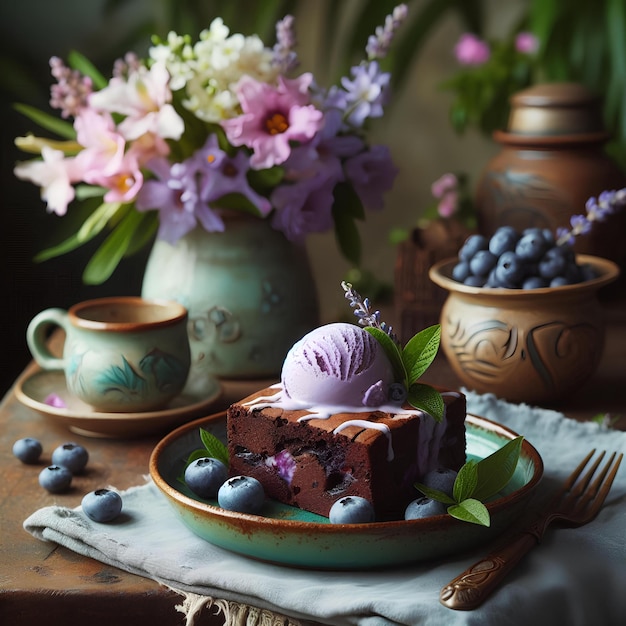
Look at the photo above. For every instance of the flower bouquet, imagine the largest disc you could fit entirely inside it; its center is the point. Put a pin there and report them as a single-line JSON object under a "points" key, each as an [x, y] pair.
{"points": [[196, 128]]}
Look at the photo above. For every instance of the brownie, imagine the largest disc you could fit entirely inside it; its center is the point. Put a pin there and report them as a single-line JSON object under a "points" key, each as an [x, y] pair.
{"points": [[305, 464]]}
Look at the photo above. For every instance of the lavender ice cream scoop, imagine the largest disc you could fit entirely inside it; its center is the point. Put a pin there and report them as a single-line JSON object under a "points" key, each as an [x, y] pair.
{"points": [[339, 364]]}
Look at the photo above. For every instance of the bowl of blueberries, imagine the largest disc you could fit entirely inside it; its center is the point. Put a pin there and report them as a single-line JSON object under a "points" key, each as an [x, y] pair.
{"points": [[522, 318]]}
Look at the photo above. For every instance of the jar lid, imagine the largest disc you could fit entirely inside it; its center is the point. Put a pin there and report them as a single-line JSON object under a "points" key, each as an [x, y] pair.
{"points": [[555, 109]]}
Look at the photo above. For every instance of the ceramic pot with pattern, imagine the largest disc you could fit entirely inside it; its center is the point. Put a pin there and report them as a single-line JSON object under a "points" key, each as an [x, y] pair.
{"points": [[250, 295], [552, 160], [524, 345]]}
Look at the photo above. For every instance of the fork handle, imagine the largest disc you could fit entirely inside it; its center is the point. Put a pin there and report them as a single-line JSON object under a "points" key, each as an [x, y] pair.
{"points": [[471, 588]]}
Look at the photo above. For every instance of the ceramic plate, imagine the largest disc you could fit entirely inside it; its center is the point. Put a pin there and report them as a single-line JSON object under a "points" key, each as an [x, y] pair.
{"points": [[289, 536], [80, 418]]}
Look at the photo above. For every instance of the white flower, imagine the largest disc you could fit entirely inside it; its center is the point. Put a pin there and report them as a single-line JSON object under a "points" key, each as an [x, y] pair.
{"points": [[54, 174]]}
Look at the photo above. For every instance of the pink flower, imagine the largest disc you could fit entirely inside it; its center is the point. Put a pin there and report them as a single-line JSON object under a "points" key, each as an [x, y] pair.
{"points": [[144, 100], [443, 185], [272, 118], [471, 50], [526, 43], [446, 190], [55, 175]]}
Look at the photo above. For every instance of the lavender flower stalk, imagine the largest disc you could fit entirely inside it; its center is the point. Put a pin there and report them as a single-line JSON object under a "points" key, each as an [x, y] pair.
{"points": [[284, 50], [598, 210], [378, 44], [363, 311]]}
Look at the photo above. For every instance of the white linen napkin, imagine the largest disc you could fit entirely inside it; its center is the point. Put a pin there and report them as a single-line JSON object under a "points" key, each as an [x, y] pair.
{"points": [[576, 577]]}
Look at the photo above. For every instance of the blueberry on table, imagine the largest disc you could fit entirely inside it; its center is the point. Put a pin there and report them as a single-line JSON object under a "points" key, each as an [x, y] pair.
{"points": [[102, 505], [27, 450], [55, 478], [243, 494], [424, 507], [71, 455], [351, 510], [205, 476]]}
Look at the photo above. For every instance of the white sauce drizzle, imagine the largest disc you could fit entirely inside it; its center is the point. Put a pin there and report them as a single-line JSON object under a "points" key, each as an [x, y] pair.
{"points": [[383, 428]]}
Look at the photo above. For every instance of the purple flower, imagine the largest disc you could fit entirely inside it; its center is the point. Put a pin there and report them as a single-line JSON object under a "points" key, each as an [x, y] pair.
{"points": [[372, 174], [175, 195], [471, 50], [366, 93], [221, 175], [526, 43], [378, 44], [272, 118], [304, 207], [71, 93], [284, 54]]}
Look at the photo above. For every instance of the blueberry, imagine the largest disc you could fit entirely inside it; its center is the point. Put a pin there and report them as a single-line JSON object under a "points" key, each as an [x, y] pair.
{"points": [[503, 240], [205, 476], [461, 271], [351, 510], [534, 282], [475, 281], [554, 263], [482, 263], [531, 247], [559, 281], [241, 493], [27, 450], [472, 245], [510, 270], [587, 272], [441, 479], [424, 507], [55, 478], [102, 505], [71, 455]]}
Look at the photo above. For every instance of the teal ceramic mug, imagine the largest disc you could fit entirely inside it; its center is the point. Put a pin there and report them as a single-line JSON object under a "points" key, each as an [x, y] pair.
{"points": [[121, 354]]}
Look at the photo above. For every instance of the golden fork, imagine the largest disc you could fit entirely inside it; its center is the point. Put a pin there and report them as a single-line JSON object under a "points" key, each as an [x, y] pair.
{"points": [[575, 504]]}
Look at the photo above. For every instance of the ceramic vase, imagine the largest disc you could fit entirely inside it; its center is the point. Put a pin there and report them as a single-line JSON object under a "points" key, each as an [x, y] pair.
{"points": [[250, 295], [524, 345], [552, 160]]}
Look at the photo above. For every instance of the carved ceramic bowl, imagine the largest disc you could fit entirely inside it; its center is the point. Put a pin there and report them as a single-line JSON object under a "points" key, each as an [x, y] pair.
{"points": [[524, 345]]}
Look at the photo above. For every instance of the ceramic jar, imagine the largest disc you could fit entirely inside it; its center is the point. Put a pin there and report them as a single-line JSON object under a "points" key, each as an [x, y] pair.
{"points": [[552, 160], [524, 345], [250, 295]]}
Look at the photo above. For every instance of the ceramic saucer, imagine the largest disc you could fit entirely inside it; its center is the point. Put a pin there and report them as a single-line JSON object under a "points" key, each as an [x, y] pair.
{"points": [[33, 391]]}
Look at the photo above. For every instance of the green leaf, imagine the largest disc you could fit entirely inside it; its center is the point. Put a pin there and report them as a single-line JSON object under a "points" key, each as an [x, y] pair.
{"points": [[392, 350], [89, 191], [428, 399], [47, 121], [81, 63], [103, 263], [466, 481], [472, 511], [420, 351], [496, 470], [214, 447], [347, 236], [434, 494]]}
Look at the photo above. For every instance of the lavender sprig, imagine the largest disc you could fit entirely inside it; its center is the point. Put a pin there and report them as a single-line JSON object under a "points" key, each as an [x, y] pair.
{"points": [[363, 311], [378, 44], [285, 55], [72, 90], [598, 209]]}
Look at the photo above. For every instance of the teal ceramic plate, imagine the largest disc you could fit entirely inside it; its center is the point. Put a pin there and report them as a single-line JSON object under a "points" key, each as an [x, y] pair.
{"points": [[32, 390], [289, 536]]}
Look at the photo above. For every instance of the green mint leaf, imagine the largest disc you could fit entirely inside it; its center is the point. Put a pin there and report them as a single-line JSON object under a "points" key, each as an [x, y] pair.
{"points": [[466, 481], [426, 398], [496, 470], [472, 511], [434, 494], [214, 447], [420, 351], [392, 350]]}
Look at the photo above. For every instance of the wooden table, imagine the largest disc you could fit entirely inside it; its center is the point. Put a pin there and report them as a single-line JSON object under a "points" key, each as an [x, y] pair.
{"points": [[44, 583]]}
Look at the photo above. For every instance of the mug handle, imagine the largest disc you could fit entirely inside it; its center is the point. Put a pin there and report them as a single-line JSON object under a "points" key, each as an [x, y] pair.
{"points": [[36, 337]]}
